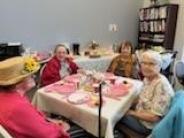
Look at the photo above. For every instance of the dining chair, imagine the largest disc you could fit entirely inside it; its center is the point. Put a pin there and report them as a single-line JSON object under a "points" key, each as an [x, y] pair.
{"points": [[4, 133]]}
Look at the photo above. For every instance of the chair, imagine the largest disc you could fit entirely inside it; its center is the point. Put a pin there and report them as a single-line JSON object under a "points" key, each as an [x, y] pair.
{"points": [[4, 133], [169, 71], [38, 77], [172, 125], [179, 72]]}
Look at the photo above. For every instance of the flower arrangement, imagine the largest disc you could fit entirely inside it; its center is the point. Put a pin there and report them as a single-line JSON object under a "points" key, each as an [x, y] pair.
{"points": [[30, 64]]}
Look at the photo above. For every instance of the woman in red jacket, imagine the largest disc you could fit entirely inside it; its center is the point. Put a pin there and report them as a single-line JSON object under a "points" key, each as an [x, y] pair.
{"points": [[58, 67], [17, 115]]}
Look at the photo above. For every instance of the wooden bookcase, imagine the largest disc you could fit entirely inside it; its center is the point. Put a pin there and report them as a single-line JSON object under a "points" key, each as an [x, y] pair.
{"points": [[157, 25]]}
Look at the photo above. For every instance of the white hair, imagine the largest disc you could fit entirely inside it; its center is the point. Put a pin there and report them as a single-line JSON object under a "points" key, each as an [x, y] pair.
{"points": [[153, 55], [67, 45]]}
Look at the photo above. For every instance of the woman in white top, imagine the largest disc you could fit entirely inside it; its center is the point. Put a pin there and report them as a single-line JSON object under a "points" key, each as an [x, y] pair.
{"points": [[155, 98]]}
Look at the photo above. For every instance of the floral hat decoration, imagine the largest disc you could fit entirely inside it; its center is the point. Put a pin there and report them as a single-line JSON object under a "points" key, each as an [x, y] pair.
{"points": [[16, 69]]}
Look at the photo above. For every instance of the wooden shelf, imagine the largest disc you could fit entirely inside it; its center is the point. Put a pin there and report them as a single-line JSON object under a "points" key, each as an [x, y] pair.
{"points": [[148, 20], [151, 42], [166, 28], [151, 32], [158, 6]]}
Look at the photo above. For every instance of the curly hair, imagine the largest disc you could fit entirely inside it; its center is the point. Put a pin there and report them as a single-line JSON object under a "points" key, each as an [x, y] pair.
{"points": [[126, 44]]}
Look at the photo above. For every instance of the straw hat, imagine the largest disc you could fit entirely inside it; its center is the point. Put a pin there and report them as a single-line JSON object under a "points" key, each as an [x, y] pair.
{"points": [[14, 70]]}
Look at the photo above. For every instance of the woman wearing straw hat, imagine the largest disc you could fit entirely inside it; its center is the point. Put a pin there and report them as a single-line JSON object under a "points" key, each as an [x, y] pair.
{"points": [[59, 66], [17, 115]]}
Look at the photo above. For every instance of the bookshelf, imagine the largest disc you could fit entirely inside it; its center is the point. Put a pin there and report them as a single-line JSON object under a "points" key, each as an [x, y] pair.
{"points": [[157, 25]]}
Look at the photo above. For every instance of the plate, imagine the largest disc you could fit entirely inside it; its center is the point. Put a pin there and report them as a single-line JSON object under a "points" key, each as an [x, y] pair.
{"points": [[79, 98]]}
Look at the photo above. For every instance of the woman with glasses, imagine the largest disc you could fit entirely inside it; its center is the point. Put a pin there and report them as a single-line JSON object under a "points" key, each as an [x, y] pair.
{"points": [[154, 100]]}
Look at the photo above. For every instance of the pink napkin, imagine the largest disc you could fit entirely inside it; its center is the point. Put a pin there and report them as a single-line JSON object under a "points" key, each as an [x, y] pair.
{"points": [[65, 88], [109, 76], [73, 78], [118, 90]]}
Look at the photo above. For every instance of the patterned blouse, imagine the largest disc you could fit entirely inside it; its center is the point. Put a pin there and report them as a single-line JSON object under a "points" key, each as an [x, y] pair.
{"points": [[122, 66], [155, 98]]}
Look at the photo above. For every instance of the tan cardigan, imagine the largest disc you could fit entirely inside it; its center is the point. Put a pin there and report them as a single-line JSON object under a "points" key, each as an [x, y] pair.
{"points": [[122, 66]]}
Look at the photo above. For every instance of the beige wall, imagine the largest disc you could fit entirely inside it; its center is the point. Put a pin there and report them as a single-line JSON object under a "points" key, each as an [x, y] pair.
{"points": [[179, 39], [146, 3]]}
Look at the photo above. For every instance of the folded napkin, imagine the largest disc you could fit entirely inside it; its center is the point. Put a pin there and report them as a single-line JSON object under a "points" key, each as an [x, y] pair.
{"points": [[73, 78], [117, 90], [65, 88], [109, 76]]}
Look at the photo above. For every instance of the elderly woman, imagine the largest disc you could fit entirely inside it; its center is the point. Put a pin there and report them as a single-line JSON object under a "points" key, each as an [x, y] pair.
{"points": [[123, 64], [154, 100], [17, 115], [58, 67]]}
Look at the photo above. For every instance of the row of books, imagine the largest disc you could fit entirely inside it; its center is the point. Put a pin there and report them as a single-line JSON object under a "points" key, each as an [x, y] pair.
{"points": [[153, 13], [153, 26], [152, 38]]}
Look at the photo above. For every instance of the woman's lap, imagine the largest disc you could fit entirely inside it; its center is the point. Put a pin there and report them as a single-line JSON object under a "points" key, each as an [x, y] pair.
{"points": [[134, 124]]}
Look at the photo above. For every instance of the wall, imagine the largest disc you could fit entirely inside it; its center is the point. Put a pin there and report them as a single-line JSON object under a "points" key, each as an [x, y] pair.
{"points": [[40, 24], [179, 38]]}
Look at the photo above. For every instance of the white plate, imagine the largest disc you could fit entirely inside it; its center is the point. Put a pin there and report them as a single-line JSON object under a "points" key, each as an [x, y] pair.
{"points": [[79, 98]]}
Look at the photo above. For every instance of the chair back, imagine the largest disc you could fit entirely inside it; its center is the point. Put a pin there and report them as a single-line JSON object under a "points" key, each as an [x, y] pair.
{"points": [[172, 125], [169, 70], [4, 133], [40, 74], [179, 72]]}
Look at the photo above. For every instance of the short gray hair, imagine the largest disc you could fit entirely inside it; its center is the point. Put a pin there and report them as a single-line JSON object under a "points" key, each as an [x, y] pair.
{"points": [[61, 45], [153, 55]]}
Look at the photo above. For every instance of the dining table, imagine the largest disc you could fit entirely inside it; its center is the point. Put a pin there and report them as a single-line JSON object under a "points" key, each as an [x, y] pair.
{"points": [[100, 63], [53, 99]]}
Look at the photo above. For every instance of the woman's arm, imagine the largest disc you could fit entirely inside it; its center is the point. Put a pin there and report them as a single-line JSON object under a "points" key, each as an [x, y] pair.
{"points": [[31, 123], [145, 116], [134, 103], [112, 65], [50, 73]]}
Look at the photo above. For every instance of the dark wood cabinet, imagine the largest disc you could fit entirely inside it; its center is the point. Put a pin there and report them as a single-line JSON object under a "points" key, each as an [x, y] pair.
{"points": [[157, 26]]}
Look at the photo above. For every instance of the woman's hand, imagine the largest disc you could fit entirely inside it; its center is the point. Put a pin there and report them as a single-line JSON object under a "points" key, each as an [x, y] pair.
{"points": [[81, 71], [133, 106], [61, 123], [69, 57], [144, 115], [131, 112]]}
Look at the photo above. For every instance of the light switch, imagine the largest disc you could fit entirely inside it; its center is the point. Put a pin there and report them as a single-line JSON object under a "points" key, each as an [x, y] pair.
{"points": [[113, 27]]}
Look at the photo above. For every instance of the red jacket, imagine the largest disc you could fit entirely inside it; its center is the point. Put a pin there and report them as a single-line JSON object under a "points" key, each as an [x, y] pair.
{"points": [[51, 73], [22, 120]]}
